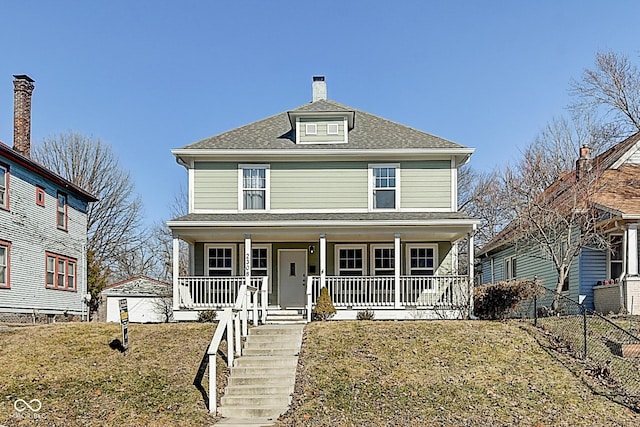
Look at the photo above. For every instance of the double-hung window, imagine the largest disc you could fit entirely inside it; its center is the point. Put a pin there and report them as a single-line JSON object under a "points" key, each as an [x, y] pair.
{"points": [[510, 268], [62, 212], [61, 272], [383, 260], [384, 188], [422, 260], [350, 260], [4, 187], [615, 256], [4, 264], [219, 261], [254, 187]]}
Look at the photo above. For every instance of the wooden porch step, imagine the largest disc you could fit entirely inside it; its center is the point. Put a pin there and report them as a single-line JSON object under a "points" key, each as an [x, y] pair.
{"points": [[279, 317]]}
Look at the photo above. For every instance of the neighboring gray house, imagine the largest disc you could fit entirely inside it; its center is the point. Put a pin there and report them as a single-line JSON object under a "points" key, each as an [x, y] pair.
{"points": [[323, 195], [609, 280], [148, 300], [43, 228]]}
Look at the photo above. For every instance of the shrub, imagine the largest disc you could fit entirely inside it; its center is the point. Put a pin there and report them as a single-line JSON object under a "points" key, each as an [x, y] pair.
{"points": [[324, 309], [365, 315], [207, 316], [498, 300]]}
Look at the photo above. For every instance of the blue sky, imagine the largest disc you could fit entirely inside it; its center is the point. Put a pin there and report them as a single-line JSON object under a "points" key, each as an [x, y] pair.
{"points": [[148, 76]]}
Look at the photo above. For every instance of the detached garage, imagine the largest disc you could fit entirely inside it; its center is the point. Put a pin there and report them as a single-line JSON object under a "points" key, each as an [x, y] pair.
{"points": [[148, 300]]}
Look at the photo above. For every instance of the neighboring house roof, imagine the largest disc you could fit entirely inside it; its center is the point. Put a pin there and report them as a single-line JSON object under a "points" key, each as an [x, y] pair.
{"points": [[139, 286], [618, 187], [28, 163], [369, 133]]}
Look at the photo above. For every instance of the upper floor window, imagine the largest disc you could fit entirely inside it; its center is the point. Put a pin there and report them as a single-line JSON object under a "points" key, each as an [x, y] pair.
{"points": [[254, 187], [61, 272], [62, 211], [311, 129], [4, 264], [350, 260], [333, 129], [422, 260], [4, 187], [40, 196], [615, 256], [384, 186], [510, 268]]}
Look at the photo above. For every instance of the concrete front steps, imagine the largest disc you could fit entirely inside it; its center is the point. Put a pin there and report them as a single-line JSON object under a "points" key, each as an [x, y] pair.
{"points": [[263, 378]]}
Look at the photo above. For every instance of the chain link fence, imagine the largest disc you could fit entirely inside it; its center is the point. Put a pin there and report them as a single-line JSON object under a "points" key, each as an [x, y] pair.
{"points": [[607, 347]]}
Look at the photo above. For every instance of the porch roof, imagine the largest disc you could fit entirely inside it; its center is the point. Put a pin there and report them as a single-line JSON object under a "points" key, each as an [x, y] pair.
{"points": [[435, 226]]}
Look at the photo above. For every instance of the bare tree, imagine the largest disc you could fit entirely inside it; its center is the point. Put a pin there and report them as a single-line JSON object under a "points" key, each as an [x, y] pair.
{"points": [[112, 221], [611, 90]]}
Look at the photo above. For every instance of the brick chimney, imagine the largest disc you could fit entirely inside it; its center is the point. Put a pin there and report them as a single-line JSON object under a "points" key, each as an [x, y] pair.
{"points": [[319, 88], [584, 164], [22, 89]]}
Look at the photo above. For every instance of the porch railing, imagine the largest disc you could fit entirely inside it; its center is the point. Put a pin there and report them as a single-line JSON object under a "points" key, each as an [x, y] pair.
{"points": [[204, 292], [380, 291]]}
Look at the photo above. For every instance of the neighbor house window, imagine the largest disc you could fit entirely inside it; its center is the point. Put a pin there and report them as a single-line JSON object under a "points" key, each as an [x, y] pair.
{"points": [[384, 186], [61, 272], [4, 187], [4, 264], [383, 261], [421, 260], [350, 260], [510, 268], [219, 261], [62, 210], [254, 187], [615, 256], [40, 196]]}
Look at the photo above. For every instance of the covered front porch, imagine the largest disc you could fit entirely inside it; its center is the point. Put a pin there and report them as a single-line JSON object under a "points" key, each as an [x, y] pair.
{"points": [[398, 269]]}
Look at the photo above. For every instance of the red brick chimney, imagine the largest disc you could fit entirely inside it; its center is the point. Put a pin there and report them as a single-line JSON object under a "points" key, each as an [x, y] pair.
{"points": [[585, 163], [22, 89]]}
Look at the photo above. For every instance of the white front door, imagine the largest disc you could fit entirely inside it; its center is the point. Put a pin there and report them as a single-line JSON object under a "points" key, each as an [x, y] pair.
{"points": [[292, 277]]}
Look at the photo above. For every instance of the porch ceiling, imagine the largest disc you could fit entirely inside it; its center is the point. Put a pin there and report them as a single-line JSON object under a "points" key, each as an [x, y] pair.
{"points": [[413, 226]]}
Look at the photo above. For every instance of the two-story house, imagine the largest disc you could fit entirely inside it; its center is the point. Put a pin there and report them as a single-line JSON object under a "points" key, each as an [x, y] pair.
{"points": [[43, 229], [324, 195]]}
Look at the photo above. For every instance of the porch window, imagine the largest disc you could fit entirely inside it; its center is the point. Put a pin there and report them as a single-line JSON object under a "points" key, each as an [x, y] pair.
{"points": [[350, 260], [422, 260], [61, 272], [4, 264], [62, 218], [4, 185], [510, 268], [384, 186], [615, 256], [383, 261], [220, 261], [254, 187]]}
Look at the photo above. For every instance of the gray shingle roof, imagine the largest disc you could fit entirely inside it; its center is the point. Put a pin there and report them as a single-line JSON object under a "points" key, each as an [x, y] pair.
{"points": [[139, 286], [370, 132]]}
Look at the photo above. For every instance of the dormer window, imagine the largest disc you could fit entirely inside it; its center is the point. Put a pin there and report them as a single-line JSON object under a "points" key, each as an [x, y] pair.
{"points": [[333, 129], [311, 129]]}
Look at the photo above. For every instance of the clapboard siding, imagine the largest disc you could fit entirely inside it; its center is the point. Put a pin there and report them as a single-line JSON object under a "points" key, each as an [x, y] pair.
{"points": [[215, 185], [319, 185], [593, 268], [32, 231], [322, 134], [425, 184]]}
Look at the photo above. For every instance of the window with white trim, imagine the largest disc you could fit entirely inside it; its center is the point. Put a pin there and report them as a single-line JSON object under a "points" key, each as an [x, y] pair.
{"points": [[422, 260], [383, 260], [4, 187], [62, 209], [510, 268], [61, 272], [350, 260], [332, 129], [614, 256], [384, 186], [219, 261], [311, 129], [4, 264], [254, 187]]}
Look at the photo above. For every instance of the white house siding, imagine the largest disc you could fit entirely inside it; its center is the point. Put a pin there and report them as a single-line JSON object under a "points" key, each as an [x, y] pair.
{"points": [[425, 185], [215, 186], [141, 309], [319, 185], [32, 231]]}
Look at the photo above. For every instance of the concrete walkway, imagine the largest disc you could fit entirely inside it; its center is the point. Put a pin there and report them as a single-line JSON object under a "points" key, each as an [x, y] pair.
{"points": [[262, 380]]}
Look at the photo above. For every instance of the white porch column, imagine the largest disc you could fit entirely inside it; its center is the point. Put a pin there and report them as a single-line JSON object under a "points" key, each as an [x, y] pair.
{"points": [[396, 269], [247, 259], [471, 270], [175, 273], [632, 249], [323, 260]]}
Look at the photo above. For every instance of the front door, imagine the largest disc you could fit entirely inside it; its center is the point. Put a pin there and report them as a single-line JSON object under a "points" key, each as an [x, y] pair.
{"points": [[292, 277]]}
